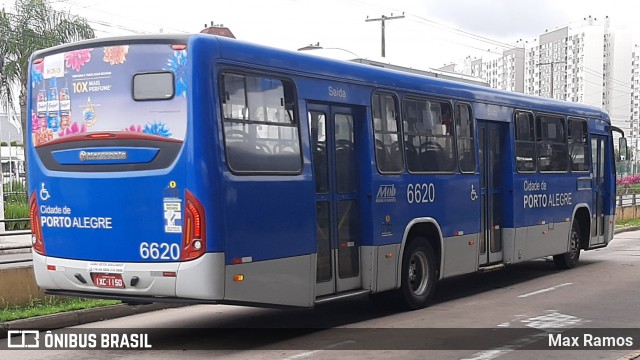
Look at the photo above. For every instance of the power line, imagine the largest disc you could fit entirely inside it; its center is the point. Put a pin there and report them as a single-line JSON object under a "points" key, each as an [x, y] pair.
{"points": [[424, 20]]}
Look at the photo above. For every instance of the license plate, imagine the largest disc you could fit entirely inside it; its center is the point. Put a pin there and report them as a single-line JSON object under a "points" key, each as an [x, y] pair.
{"points": [[113, 281]]}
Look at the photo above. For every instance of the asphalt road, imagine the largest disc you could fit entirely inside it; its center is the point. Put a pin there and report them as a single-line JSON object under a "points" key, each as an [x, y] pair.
{"points": [[600, 295]]}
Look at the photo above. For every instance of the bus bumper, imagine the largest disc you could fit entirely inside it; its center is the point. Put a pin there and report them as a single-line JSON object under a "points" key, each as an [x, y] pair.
{"points": [[202, 278]]}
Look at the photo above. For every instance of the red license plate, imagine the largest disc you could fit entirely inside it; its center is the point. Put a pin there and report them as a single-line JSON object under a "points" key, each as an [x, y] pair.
{"points": [[114, 281]]}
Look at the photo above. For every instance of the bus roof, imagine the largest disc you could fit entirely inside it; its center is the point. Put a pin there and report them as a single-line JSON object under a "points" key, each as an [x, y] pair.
{"points": [[237, 50]]}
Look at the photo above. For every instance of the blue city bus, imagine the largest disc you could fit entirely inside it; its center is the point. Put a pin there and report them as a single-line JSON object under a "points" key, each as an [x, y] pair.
{"points": [[205, 169]]}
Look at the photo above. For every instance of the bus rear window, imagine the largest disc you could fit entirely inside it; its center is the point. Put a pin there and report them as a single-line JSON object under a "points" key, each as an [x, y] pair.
{"points": [[153, 86], [108, 89]]}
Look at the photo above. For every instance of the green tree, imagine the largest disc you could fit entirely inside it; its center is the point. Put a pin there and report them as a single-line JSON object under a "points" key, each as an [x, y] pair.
{"points": [[34, 25]]}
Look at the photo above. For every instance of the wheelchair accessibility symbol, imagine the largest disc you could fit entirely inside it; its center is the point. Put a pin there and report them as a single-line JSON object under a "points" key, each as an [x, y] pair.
{"points": [[474, 195], [44, 193]]}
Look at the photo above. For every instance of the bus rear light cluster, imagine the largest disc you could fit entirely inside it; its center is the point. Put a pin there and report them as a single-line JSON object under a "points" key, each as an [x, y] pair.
{"points": [[37, 240], [193, 237]]}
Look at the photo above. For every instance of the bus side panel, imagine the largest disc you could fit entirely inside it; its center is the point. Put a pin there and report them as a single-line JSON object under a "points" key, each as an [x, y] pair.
{"points": [[460, 255], [268, 218], [543, 209], [434, 196], [205, 154], [273, 281]]}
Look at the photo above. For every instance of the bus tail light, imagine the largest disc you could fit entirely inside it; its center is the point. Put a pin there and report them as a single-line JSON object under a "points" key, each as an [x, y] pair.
{"points": [[194, 235], [37, 239]]}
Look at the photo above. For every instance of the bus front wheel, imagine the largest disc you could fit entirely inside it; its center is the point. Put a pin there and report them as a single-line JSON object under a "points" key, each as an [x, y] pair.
{"points": [[418, 274], [570, 259]]}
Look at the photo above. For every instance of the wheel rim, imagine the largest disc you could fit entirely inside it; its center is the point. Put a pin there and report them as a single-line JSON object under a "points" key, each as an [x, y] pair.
{"points": [[575, 244], [418, 275]]}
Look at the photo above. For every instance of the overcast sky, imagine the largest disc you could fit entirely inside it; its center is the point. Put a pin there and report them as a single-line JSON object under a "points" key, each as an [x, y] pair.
{"points": [[434, 32]]}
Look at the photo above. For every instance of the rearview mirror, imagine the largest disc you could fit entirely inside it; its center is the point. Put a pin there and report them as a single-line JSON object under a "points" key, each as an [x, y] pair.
{"points": [[623, 149]]}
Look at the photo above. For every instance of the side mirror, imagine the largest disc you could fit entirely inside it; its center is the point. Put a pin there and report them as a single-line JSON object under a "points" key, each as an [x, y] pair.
{"points": [[623, 149]]}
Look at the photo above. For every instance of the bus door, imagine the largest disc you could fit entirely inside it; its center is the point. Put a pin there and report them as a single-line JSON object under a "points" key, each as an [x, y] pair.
{"points": [[492, 144], [335, 173], [598, 147]]}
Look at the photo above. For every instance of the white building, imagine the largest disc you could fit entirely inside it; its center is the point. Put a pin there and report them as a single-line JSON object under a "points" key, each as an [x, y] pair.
{"points": [[9, 131], [587, 62], [11, 157], [501, 70], [618, 56]]}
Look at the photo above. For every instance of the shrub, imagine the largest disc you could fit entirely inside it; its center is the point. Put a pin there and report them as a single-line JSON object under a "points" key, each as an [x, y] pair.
{"points": [[15, 192], [629, 180], [16, 211]]}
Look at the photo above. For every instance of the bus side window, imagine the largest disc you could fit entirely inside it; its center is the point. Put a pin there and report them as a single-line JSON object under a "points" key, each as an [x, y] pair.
{"points": [[261, 133], [552, 143], [578, 144], [525, 142], [386, 129], [428, 138], [234, 101], [465, 143]]}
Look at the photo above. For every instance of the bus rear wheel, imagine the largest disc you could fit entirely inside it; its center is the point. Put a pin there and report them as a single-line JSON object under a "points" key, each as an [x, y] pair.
{"points": [[570, 259], [418, 274]]}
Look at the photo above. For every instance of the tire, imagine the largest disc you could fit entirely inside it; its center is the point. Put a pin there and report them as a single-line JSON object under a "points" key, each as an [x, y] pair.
{"points": [[418, 274], [569, 260]]}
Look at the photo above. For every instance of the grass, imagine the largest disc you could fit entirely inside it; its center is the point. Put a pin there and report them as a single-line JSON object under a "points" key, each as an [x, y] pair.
{"points": [[627, 223], [50, 305], [16, 211], [16, 206]]}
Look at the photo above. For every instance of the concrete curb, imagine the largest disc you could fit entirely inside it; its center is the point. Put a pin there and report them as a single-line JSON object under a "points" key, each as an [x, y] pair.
{"points": [[625, 229], [10, 240], [15, 251], [79, 317]]}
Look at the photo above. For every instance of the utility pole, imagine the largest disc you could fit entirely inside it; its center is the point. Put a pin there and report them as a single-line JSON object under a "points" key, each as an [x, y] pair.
{"points": [[382, 19], [551, 63]]}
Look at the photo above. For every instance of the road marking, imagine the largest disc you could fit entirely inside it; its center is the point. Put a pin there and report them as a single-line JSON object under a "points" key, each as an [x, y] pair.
{"points": [[311, 353], [544, 290], [553, 320], [507, 348]]}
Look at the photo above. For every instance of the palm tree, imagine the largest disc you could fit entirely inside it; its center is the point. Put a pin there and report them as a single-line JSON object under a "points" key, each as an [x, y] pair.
{"points": [[35, 25]]}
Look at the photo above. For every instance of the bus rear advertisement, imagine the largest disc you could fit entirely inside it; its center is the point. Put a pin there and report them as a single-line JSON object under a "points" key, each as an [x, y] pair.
{"points": [[203, 169]]}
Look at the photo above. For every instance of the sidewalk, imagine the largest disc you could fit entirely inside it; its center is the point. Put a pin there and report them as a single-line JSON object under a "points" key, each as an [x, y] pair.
{"points": [[9, 240]]}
